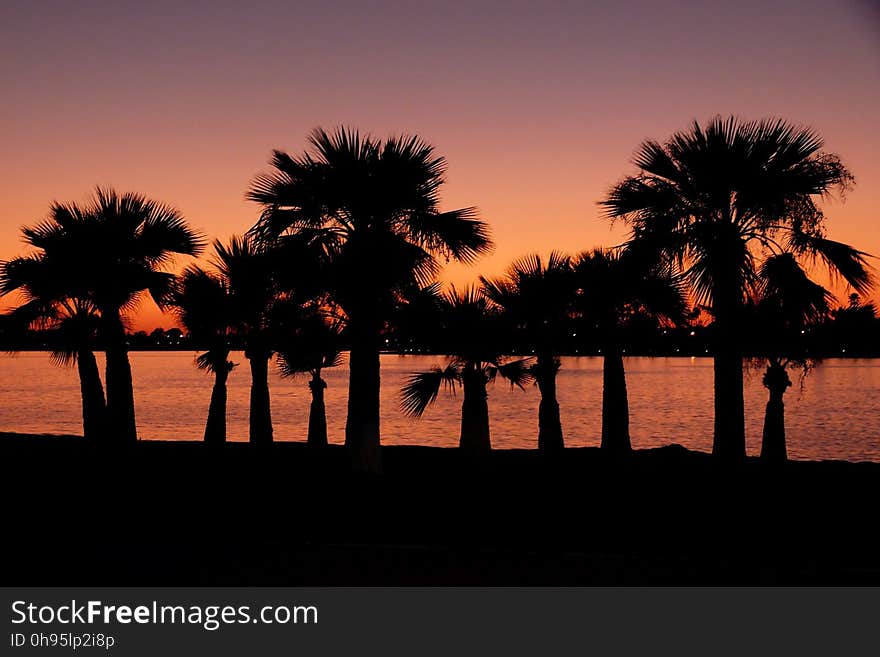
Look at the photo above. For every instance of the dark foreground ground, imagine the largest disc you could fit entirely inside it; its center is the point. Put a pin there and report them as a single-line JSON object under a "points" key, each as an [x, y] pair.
{"points": [[181, 514]]}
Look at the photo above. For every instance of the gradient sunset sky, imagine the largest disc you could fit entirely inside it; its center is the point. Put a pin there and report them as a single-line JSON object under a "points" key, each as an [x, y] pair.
{"points": [[537, 106]]}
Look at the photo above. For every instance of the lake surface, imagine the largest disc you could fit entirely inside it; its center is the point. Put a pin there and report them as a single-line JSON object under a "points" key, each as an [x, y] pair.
{"points": [[834, 415]]}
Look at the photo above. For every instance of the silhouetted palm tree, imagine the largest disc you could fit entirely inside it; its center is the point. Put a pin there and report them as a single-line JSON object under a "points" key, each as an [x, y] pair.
{"points": [[537, 297], [472, 338], [614, 287], [248, 271], [111, 250], [70, 323], [708, 199], [373, 205], [787, 302], [206, 309], [315, 345]]}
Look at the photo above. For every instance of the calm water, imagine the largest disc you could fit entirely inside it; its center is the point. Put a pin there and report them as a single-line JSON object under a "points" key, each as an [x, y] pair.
{"points": [[834, 415]]}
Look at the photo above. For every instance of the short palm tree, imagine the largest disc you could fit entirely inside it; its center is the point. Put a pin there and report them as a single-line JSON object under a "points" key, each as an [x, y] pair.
{"points": [[248, 272], [71, 324], [373, 205], [314, 345], [205, 308], [710, 199], [111, 250], [536, 295], [471, 329], [787, 302], [613, 288]]}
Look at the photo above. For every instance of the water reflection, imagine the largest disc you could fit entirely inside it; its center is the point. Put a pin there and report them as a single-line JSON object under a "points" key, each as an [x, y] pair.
{"points": [[832, 416]]}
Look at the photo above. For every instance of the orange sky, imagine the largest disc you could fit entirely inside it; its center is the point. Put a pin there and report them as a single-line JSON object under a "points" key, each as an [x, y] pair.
{"points": [[538, 109]]}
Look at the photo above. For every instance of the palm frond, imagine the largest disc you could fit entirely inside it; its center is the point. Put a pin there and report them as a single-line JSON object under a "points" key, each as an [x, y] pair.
{"points": [[215, 360], [841, 259], [517, 372], [312, 343], [202, 303], [456, 234], [422, 389], [789, 294], [61, 357], [25, 273], [164, 231], [500, 291]]}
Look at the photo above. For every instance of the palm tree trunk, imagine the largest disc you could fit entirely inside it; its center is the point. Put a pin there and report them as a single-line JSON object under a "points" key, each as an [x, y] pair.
{"points": [[317, 436], [120, 394], [615, 403], [730, 437], [94, 407], [215, 427], [773, 447], [549, 424], [474, 439], [730, 418], [362, 423], [260, 418]]}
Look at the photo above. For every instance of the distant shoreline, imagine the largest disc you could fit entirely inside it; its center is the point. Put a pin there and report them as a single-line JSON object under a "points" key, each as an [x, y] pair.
{"points": [[9, 351]]}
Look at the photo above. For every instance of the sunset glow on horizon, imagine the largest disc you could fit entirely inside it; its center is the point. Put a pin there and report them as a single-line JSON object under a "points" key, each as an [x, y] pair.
{"points": [[536, 106]]}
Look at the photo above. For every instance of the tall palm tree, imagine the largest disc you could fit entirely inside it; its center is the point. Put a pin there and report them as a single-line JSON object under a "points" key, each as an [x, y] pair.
{"points": [[472, 337], [111, 250], [787, 302], [613, 288], [709, 199], [537, 295], [248, 271], [315, 345], [205, 308], [373, 205], [71, 324]]}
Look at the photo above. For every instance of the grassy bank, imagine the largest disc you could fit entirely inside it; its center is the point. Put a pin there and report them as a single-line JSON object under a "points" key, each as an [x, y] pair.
{"points": [[179, 513]]}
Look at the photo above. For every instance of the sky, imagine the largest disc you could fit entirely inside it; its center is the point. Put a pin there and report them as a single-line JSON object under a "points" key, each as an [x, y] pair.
{"points": [[537, 106]]}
